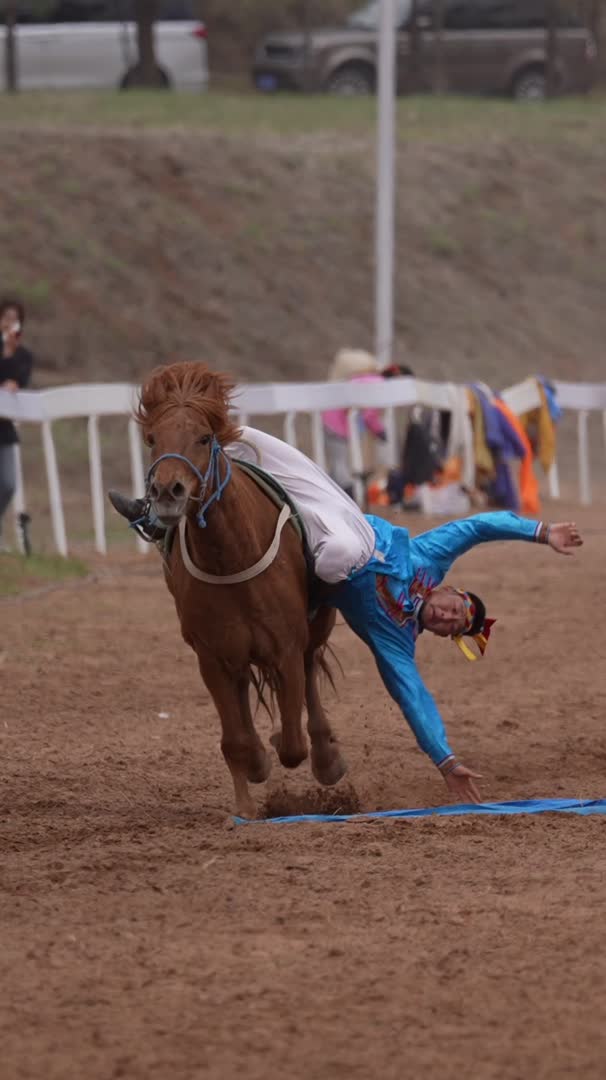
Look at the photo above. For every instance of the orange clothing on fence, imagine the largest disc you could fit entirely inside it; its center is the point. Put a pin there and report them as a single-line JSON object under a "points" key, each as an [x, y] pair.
{"points": [[529, 485]]}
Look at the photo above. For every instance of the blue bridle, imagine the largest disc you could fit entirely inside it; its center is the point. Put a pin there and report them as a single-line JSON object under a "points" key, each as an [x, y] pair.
{"points": [[209, 480]]}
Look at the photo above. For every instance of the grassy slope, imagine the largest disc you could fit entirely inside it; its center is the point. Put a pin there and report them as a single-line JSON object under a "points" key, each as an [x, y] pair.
{"points": [[239, 230]]}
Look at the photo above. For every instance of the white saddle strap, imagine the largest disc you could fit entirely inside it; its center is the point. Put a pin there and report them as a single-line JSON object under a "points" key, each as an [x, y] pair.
{"points": [[244, 575]]}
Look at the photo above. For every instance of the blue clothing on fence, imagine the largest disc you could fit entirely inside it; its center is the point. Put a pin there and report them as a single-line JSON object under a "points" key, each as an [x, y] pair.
{"points": [[555, 409], [382, 601]]}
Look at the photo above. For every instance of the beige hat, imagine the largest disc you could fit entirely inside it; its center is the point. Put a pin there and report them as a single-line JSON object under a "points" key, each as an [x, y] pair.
{"points": [[351, 362]]}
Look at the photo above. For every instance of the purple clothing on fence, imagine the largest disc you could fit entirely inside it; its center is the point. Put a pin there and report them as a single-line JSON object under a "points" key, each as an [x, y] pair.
{"points": [[504, 444]]}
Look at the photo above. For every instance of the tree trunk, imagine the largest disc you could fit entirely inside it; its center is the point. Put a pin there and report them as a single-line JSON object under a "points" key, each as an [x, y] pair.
{"points": [[415, 76], [439, 81], [551, 49], [148, 70], [10, 49], [305, 14], [595, 20], [594, 17]]}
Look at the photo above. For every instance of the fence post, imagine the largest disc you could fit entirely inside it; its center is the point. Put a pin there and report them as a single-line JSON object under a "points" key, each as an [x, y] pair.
{"points": [[584, 473], [391, 430], [357, 457], [96, 484], [19, 499], [317, 436], [553, 479], [290, 429], [136, 471], [54, 488]]}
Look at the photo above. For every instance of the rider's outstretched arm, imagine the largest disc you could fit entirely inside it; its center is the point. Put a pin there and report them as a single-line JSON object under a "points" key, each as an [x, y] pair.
{"points": [[403, 681], [401, 677], [441, 546]]}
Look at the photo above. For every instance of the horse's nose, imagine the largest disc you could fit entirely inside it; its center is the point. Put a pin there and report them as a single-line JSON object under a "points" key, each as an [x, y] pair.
{"points": [[167, 492]]}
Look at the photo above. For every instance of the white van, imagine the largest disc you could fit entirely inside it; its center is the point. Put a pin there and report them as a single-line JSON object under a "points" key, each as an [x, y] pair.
{"points": [[93, 43]]}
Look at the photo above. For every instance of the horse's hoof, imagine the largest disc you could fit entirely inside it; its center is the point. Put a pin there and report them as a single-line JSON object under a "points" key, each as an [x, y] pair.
{"points": [[289, 758], [247, 810], [328, 766], [261, 769]]}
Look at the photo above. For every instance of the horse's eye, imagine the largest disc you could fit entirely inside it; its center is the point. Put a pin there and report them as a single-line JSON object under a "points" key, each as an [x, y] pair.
{"points": [[149, 439], [204, 440]]}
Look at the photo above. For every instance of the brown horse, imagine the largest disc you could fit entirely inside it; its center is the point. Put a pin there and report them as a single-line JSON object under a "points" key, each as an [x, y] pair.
{"points": [[252, 633]]}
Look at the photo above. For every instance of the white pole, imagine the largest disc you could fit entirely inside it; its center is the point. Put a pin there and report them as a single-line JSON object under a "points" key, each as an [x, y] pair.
{"points": [[54, 488], [584, 474], [136, 470], [96, 484], [385, 190]]}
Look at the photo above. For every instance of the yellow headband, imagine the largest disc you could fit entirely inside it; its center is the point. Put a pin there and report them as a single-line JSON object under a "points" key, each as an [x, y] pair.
{"points": [[481, 638]]}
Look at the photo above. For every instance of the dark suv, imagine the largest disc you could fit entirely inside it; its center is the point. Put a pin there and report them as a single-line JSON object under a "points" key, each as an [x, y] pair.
{"points": [[489, 47]]}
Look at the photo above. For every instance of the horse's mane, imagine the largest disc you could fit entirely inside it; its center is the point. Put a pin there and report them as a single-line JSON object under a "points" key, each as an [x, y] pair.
{"points": [[192, 386]]}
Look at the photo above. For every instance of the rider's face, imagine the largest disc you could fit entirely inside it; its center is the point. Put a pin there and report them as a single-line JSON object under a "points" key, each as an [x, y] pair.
{"points": [[444, 613]]}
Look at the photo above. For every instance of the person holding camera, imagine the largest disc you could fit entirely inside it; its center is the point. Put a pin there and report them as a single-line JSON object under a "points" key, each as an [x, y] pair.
{"points": [[16, 364]]}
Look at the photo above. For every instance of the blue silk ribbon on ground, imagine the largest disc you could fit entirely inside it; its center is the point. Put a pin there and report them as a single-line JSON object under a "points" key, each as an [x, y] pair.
{"points": [[531, 806]]}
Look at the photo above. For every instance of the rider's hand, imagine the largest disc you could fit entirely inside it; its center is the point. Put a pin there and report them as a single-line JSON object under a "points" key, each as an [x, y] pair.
{"points": [[564, 537], [460, 781]]}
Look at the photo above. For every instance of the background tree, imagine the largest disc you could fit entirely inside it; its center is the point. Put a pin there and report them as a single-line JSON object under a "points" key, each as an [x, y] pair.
{"points": [[10, 48], [415, 48], [439, 81], [551, 49], [9, 11], [147, 71]]}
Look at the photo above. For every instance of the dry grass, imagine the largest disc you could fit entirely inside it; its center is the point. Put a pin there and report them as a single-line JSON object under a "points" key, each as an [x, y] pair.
{"points": [[239, 230]]}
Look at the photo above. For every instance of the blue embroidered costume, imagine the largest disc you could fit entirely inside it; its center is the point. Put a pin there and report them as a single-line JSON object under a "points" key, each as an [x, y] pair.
{"points": [[382, 601]]}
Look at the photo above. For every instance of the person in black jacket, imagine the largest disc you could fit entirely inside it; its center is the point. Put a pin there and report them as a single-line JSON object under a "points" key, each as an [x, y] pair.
{"points": [[15, 371], [424, 448]]}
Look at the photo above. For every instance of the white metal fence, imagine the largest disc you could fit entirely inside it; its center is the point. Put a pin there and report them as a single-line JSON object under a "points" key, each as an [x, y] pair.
{"points": [[93, 401]]}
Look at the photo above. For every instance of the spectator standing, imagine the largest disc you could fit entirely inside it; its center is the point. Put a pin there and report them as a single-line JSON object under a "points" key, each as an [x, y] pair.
{"points": [[15, 372], [358, 366]]}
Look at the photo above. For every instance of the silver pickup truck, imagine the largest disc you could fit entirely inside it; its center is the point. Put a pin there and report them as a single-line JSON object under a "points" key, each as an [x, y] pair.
{"points": [[489, 47]]}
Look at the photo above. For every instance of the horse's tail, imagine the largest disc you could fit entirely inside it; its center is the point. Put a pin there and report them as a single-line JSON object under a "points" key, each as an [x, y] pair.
{"points": [[265, 680], [265, 684], [325, 664]]}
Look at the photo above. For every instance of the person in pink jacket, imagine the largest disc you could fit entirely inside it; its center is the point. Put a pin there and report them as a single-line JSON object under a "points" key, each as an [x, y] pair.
{"points": [[357, 366]]}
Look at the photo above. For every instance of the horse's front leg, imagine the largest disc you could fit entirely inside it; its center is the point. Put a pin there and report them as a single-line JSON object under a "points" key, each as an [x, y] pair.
{"points": [[244, 753], [291, 743], [327, 762]]}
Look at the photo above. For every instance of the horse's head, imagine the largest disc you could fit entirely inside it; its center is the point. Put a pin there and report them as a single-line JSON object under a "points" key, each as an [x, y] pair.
{"points": [[183, 411]]}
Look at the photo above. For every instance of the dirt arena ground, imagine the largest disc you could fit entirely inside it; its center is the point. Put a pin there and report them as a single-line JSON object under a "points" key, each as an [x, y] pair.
{"points": [[144, 936]]}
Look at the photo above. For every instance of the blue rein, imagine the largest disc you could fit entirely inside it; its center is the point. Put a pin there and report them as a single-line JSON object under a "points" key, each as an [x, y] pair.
{"points": [[209, 480]]}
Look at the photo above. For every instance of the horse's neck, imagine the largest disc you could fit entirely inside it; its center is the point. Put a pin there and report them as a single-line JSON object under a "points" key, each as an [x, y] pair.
{"points": [[239, 528]]}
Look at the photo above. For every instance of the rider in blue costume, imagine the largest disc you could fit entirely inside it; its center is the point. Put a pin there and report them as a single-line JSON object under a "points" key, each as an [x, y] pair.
{"points": [[397, 593], [396, 596]]}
